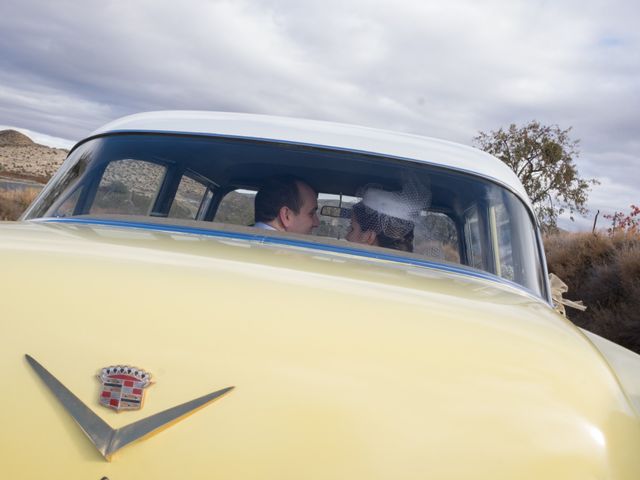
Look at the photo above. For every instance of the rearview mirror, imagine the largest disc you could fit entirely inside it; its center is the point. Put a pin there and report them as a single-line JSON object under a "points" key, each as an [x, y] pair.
{"points": [[335, 212]]}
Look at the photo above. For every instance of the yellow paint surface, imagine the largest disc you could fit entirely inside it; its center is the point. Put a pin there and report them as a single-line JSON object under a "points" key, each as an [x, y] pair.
{"points": [[344, 368]]}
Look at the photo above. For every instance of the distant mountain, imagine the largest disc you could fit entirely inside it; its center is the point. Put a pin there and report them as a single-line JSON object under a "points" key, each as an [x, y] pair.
{"points": [[22, 158], [41, 138], [11, 138]]}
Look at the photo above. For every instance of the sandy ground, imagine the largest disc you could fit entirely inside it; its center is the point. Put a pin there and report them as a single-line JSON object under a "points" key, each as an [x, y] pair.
{"points": [[32, 161]]}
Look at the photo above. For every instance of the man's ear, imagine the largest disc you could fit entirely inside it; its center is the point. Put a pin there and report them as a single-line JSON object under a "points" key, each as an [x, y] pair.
{"points": [[285, 215], [369, 237]]}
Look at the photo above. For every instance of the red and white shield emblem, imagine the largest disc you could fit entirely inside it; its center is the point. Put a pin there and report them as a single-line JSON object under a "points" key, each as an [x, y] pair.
{"points": [[123, 387]]}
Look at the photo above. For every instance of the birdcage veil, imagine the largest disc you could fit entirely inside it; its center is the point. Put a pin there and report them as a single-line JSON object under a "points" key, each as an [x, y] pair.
{"points": [[393, 213]]}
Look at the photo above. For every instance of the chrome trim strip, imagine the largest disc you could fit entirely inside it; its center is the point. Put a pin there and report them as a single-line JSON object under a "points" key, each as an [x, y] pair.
{"points": [[140, 429], [105, 438], [98, 431]]}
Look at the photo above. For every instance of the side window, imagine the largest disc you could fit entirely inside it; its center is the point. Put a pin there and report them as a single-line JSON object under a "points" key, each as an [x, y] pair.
{"points": [[236, 208], [192, 198], [472, 237], [437, 237], [128, 187]]}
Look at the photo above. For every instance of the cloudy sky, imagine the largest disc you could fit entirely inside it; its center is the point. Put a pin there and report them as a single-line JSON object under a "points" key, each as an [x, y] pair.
{"points": [[446, 69]]}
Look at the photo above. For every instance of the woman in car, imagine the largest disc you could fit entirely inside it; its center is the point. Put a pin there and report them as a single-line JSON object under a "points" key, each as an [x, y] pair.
{"points": [[384, 219]]}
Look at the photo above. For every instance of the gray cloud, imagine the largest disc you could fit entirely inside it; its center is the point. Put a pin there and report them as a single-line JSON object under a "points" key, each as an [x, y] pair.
{"points": [[440, 69]]}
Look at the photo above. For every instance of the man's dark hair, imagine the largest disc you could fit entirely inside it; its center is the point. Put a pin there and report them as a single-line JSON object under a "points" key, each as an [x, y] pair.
{"points": [[278, 192]]}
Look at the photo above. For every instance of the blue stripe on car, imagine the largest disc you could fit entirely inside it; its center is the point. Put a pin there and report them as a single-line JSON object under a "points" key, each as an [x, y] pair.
{"points": [[291, 243]]}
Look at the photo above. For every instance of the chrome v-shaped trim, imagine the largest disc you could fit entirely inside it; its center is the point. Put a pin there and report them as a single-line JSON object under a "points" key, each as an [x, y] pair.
{"points": [[105, 438]]}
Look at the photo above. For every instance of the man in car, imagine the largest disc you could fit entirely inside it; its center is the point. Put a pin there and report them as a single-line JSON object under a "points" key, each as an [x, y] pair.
{"points": [[288, 204]]}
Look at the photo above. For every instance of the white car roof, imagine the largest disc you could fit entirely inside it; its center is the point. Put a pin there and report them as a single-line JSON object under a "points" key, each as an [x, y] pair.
{"points": [[327, 134]]}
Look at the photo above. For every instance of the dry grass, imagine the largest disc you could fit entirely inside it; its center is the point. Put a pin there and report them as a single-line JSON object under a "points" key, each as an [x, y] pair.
{"points": [[14, 202], [604, 272]]}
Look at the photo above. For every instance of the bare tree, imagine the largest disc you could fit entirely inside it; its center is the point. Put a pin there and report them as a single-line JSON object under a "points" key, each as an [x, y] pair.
{"points": [[543, 157]]}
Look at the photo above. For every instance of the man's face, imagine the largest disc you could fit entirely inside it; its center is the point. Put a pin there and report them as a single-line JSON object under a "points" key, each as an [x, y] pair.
{"points": [[307, 219]]}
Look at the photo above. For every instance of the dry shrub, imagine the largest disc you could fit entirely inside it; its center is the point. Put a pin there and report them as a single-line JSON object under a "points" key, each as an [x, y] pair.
{"points": [[604, 272], [14, 202]]}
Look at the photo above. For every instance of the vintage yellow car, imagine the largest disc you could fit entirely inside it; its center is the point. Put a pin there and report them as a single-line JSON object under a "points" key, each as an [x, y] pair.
{"points": [[151, 330]]}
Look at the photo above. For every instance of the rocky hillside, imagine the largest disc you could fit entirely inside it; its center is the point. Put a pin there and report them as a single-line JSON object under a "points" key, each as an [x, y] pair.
{"points": [[20, 157], [13, 138]]}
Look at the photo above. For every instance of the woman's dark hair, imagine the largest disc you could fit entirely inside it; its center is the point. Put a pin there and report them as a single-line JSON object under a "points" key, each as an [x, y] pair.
{"points": [[371, 220]]}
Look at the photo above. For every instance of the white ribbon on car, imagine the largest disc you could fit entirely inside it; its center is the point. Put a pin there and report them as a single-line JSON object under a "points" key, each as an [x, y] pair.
{"points": [[558, 288]]}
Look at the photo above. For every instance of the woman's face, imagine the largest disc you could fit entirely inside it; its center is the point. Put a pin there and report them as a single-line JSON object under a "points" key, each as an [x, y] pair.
{"points": [[356, 234]]}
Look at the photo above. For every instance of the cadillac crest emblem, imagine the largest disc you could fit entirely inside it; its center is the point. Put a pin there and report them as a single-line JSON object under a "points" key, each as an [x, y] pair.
{"points": [[123, 387]]}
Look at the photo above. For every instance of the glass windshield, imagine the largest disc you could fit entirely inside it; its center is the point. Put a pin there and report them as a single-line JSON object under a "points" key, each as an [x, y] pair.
{"points": [[409, 209]]}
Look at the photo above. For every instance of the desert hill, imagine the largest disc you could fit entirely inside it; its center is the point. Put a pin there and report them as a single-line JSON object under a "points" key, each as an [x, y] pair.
{"points": [[21, 157], [12, 138]]}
